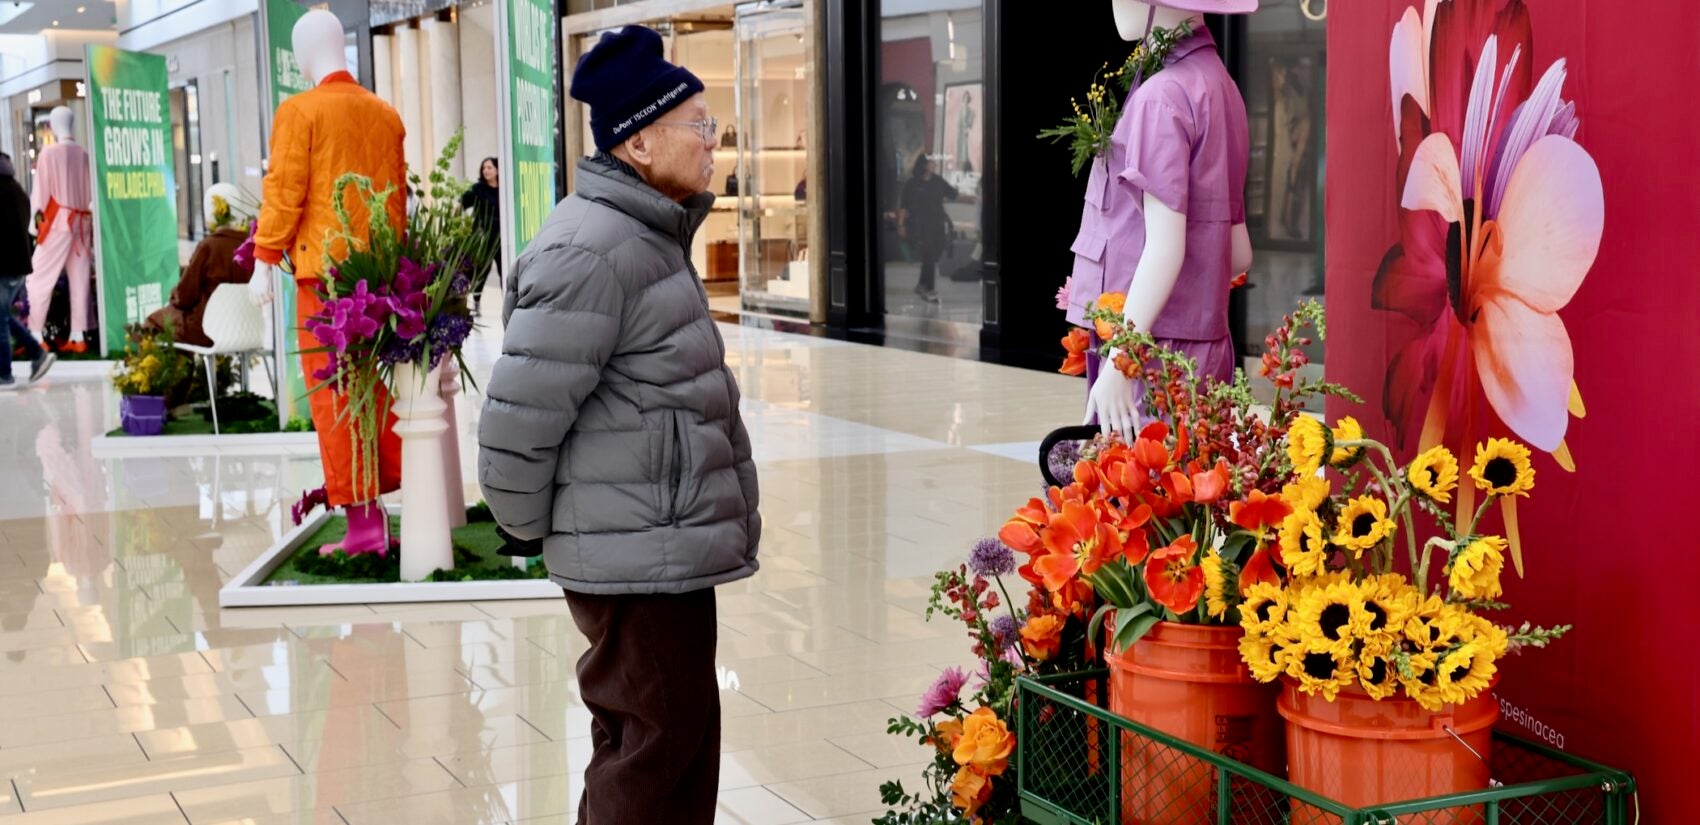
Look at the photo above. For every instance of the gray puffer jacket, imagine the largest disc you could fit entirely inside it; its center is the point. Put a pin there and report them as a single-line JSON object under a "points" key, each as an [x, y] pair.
{"points": [[611, 426]]}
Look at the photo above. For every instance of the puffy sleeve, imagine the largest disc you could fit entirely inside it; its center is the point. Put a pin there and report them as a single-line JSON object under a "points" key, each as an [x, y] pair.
{"points": [[1159, 153], [543, 377], [284, 190]]}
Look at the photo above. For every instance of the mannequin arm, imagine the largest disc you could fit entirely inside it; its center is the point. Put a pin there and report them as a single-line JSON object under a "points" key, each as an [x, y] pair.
{"points": [[1111, 399], [40, 187], [1242, 257]]}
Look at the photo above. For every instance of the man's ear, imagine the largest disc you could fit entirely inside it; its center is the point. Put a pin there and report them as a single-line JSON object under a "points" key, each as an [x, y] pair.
{"points": [[637, 149]]}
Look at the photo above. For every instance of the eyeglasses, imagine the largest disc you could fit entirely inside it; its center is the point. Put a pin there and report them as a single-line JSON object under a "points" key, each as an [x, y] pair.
{"points": [[705, 129]]}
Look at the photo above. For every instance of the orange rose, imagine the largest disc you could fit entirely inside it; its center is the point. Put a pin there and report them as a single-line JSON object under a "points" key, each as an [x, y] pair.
{"points": [[986, 743], [1111, 302], [946, 734], [969, 790], [1042, 637]]}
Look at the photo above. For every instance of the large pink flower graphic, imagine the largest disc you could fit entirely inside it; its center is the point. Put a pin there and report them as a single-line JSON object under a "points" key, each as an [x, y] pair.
{"points": [[1501, 221]]}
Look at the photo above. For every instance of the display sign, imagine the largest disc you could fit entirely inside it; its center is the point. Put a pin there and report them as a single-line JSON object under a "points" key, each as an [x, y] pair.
{"points": [[135, 192], [285, 78], [528, 39]]}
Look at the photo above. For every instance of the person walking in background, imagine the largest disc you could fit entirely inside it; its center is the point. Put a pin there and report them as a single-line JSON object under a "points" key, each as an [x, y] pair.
{"points": [[924, 224], [611, 435], [15, 252], [485, 201]]}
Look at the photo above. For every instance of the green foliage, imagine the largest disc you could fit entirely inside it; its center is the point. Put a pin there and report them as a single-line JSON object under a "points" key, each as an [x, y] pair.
{"points": [[1089, 130]]}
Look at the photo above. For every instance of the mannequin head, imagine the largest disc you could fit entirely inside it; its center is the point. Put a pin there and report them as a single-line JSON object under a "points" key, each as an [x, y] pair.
{"points": [[63, 121], [318, 45], [1131, 16], [223, 206]]}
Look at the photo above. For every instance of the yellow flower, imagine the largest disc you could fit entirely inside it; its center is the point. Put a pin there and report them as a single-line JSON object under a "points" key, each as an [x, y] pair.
{"points": [[1389, 601], [1476, 569], [1363, 525], [1307, 492], [1377, 674], [1264, 609], [1326, 616], [1502, 468], [1434, 474], [1266, 656], [1489, 636], [1216, 592], [1304, 550], [1307, 444], [1348, 429], [1319, 667], [1436, 625], [1422, 683]]}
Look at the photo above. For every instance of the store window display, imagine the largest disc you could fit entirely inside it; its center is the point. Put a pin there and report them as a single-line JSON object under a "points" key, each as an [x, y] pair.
{"points": [[317, 136], [61, 198], [1164, 217]]}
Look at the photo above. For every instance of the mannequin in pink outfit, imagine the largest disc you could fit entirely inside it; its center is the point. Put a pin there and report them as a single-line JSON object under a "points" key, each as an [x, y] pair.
{"points": [[65, 237]]}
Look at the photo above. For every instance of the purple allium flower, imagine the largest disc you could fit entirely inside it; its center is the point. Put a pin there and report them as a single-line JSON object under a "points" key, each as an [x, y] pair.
{"points": [[1006, 630], [1062, 459], [991, 558], [944, 692]]}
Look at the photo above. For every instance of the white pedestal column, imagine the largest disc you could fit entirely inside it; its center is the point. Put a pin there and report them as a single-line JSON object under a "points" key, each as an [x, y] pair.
{"points": [[442, 51], [412, 102], [454, 494], [425, 541]]}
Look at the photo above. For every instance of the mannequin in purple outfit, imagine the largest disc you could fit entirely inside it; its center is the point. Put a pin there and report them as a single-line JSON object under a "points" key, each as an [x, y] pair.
{"points": [[1164, 219]]}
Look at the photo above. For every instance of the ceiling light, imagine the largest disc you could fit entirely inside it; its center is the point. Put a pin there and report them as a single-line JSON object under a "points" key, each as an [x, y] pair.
{"points": [[81, 9], [55, 23]]}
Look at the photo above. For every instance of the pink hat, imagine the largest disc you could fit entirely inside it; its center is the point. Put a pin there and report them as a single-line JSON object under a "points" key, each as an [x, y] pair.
{"points": [[1209, 6]]}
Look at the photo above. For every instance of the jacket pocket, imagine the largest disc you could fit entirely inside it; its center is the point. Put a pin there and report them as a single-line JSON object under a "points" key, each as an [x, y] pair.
{"points": [[680, 478]]}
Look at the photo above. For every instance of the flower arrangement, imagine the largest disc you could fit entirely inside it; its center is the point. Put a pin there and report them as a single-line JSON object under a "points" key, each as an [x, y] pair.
{"points": [[965, 720], [1347, 616], [151, 364], [396, 298], [1089, 129], [1179, 524]]}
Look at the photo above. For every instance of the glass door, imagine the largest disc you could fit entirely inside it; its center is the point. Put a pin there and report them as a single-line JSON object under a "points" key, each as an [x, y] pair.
{"points": [[775, 107]]}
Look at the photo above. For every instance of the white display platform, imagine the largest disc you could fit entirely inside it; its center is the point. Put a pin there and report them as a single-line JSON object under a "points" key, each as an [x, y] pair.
{"points": [[247, 589], [190, 446]]}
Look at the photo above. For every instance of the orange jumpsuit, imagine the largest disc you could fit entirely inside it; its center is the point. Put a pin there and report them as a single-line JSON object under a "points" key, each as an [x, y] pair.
{"points": [[317, 136]]}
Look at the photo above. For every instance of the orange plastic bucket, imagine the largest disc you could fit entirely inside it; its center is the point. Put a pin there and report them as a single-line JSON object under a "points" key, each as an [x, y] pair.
{"points": [[1362, 753], [1188, 681]]}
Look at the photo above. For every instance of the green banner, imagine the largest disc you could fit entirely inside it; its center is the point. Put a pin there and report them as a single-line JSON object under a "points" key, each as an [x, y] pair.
{"points": [[286, 76], [135, 189], [531, 117], [286, 79]]}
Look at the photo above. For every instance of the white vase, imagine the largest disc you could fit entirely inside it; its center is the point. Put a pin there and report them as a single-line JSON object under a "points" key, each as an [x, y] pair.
{"points": [[418, 403]]}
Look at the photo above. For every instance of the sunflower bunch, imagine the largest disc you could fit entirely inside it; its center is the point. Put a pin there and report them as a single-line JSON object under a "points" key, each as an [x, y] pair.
{"points": [[1347, 616]]}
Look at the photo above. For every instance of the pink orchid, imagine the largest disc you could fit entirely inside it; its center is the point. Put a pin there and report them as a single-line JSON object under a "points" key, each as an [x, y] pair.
{"points": [[1502, 219]]}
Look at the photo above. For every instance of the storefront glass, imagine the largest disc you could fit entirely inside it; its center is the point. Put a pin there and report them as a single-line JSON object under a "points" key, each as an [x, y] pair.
{"points": [[930, 149], [186, 146], [771, 141], [1282, 80]]}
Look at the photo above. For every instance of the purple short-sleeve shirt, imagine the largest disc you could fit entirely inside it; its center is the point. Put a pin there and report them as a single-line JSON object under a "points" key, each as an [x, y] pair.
{"points": [[1182, 138]]}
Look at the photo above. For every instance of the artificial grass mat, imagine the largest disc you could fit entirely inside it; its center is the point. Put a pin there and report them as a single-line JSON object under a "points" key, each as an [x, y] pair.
{"points": [[476, 558]]}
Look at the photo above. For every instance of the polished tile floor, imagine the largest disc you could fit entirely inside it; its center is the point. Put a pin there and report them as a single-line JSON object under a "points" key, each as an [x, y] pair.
{"points": [[128, 696]]}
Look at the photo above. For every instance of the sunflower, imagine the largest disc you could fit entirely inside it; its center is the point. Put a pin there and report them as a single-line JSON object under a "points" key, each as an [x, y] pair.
{"points": [[1319, 667], [1489, 636], [1389, 602], [1348, 429], [1436, 625], [1264, 609], [1216, 590], [1421, 680], [1363, 525], [1466, 672], [1265, 655], [1377, 674], [1434, 474], [1308, 443], [1307, 492], [1502, 468], [1304, 550], [1325, 616], [1475, 569]]}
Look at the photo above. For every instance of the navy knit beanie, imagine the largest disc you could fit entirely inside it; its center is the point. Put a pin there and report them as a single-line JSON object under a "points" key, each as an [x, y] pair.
{"points": [[628, 84]]}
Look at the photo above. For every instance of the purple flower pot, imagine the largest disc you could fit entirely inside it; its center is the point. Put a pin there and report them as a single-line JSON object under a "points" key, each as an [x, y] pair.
{"points": [[142, 414]]}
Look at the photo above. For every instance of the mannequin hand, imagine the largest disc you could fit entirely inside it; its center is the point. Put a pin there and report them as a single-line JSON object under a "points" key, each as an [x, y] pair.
{"points": [[1111, 400], [260, 286]]}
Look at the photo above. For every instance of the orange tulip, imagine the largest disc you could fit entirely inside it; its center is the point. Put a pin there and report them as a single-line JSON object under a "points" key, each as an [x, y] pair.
{"points": [[1172, 577], [1259, 569], [1077, 542], [1077, 343], [1258, 511], [1211, 484]]}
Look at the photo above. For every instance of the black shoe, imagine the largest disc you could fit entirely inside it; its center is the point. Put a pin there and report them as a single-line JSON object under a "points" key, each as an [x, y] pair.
{"points": [[38, 370]]}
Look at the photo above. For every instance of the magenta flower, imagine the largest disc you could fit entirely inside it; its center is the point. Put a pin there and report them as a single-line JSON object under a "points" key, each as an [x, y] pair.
{"points": [[1062, 293], [244, 256], [349, 320], [944, 692]]}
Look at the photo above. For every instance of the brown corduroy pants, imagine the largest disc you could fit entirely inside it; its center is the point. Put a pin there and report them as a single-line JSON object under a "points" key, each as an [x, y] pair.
{"points": [[649, 682]]}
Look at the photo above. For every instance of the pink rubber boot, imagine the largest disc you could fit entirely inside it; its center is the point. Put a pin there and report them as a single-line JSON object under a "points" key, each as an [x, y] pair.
{"points": [[368, 531]]}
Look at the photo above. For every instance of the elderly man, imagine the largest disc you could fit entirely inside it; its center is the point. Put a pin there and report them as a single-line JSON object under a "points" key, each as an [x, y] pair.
{"points": [[611, 435]]}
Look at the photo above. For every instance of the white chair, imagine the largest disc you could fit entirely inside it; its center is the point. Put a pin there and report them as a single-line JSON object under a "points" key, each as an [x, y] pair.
{"points": [[237, 328]]}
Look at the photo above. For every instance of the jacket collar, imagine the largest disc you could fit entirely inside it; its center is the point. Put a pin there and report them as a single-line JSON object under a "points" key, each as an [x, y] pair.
{"points": [[340, 76], [621, 190], [1200, 38]]}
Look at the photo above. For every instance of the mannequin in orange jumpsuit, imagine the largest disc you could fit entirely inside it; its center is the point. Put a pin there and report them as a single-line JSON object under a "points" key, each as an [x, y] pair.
{"points": [[318, 135]]}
